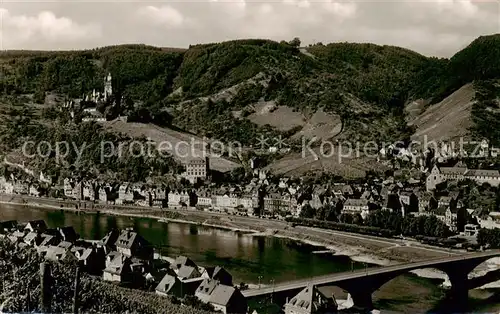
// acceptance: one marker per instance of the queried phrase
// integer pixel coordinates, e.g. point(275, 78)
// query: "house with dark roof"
point(36, 225)
point(16, 236)
point(409, 201)
point(123, 269)
point(109, 240)
point(205, 290)
point(32, 239)
point(125, 194)
point(356, 206)
point(49, 240)
point(129, 243)
point(65, 245)
point(182, 261)
point(220, 274)
point(311, 301)
point(188, 272)
point(170, 285)
point(481, 176)
point(68, 234)
point(228, 299)
point(7, 226)
point(173, 285)
point(55, 253)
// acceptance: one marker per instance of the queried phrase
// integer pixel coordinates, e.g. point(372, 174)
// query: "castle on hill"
point(98, 96)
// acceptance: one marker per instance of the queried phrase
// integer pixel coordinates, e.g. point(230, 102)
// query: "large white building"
point(460, 172)
point(197, 169)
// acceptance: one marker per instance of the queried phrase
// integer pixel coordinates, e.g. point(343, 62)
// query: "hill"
point(449, 119)
point(244, 89)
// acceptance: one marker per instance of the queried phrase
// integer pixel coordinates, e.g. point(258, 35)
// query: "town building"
point(21, 188)
point(197, 169)
point(36, 226)
point(219, 274)
point(471, 230)
point(226, 299)
point(311, 301)
point(356, 206)
point(204, 198)
point(178, 198)
point(131, 244)
point(118, 268)
point(125, 194)
point(88, 191)
point(460, 172)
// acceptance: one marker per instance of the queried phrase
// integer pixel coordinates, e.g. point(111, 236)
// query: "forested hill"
point(210, 85)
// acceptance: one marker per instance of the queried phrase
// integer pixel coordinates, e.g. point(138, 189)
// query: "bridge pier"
point(361, 290)
point(362, 300)
point(361, 284)
point(458, 273)
point(459, 291)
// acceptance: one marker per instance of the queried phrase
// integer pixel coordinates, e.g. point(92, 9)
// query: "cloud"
point(165, 15)
point(431, 27)
point(20, 30)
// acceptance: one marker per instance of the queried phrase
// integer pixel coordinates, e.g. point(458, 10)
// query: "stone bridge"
point(361, 284)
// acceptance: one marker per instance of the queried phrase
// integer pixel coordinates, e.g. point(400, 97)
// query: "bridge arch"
point(486, 272)
point(416, 289)
point(456, 269)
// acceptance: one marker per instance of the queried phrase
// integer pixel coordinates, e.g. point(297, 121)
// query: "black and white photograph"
point(249, 156)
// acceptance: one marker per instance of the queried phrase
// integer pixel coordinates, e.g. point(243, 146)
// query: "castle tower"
point(108, 89)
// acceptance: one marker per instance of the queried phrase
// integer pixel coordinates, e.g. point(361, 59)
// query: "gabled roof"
point(453, 170)
point(55, 253)
point(128, 238)
point(188, 272)
point(48, 239)
point(10, 224)
point(79, 251)
point(222, 294)
point(205, 289)
point(30, 237)
point(110, 238)
point(482, 173)
point(454, 195)
point(118, 264)
point(366, 195)
point(38, 225)
point(309, 299)
point(217, 272)
point(356, 202)
point(68, 233)
point(183, 260)
point(424, 196)
point(65, 244)
point(166, 283)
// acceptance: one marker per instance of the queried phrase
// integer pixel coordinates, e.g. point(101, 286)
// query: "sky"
point(431, 27)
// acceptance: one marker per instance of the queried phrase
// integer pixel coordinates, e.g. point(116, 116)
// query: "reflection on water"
point(245, 257)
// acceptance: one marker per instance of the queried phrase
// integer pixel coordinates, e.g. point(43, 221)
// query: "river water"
point(246, 257)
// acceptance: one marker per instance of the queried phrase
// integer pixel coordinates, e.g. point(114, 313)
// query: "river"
point(248, 257)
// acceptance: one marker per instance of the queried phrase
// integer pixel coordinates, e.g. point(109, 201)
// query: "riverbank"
point(248, 258)
point(361, 248)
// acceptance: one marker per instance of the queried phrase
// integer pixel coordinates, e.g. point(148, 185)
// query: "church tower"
point(108, 89)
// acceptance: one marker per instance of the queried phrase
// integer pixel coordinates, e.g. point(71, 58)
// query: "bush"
point(341, 227)
point(489, 237)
